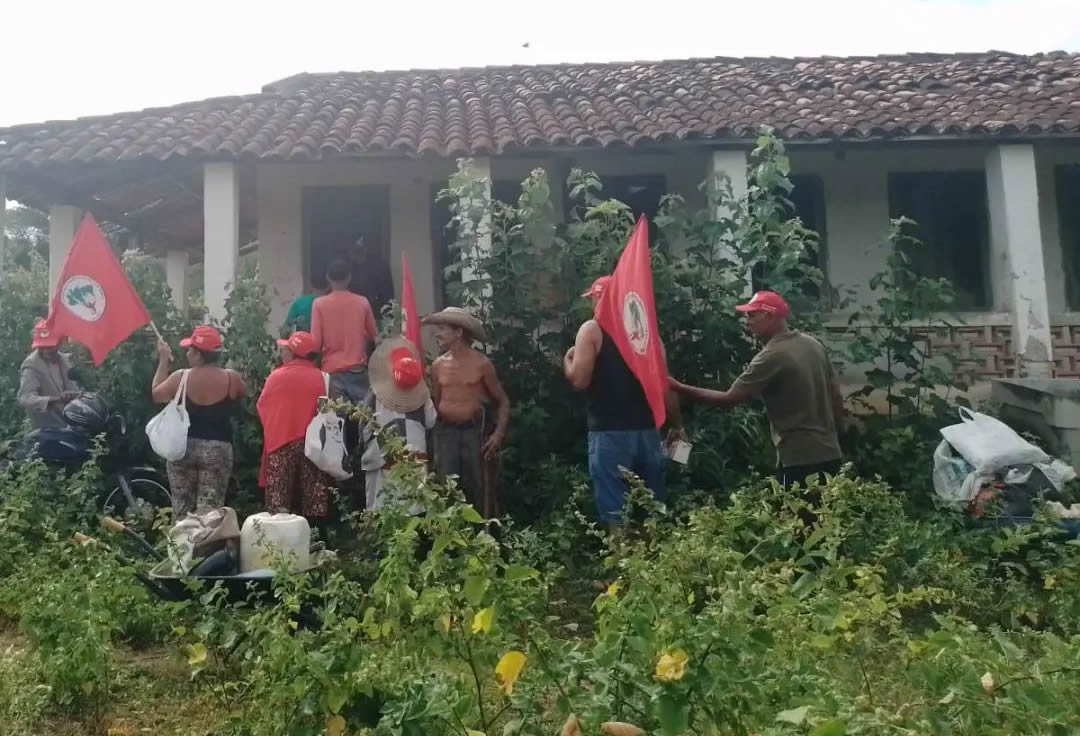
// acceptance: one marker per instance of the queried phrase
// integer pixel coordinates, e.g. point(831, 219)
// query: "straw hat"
point(457, 317)
point(397, 375)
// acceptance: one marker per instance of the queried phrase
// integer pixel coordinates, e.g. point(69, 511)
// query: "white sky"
point(108, 56)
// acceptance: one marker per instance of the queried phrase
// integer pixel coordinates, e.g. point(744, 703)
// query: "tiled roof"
point(495, 110)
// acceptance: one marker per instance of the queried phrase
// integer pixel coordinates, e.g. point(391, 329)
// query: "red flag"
point(95, 303)
point(627, 312)
point(410, 321)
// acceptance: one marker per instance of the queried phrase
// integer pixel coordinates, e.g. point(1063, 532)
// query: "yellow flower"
point(483, 620)
point(508, 670)
point(671, 666)
point(613, 589)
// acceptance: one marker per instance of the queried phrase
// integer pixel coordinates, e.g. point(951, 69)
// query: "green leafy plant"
point(914, 388)
point(522, 271)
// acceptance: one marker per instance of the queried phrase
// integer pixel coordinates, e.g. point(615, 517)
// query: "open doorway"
point(336, 219)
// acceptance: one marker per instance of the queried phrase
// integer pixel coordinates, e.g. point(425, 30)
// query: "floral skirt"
point(295, 485)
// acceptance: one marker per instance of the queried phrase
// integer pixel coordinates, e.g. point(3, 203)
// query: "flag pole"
point(156, 331)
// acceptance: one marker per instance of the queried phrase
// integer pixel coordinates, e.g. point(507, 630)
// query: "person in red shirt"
point(344, 329)
point(286, 406)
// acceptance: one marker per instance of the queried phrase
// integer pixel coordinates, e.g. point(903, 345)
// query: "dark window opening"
point(1067, 190)
point(442, 234)
point(334, 218)
point(808, 203)
point(640, 192)
point(952, 221)
point(507, 191)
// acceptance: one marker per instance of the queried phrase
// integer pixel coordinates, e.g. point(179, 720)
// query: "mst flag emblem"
point(637, 329)
point(84, 297)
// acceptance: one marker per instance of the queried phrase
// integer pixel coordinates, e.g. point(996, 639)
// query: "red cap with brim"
point(597, 287)
point(205, 338)
point(43, 337)
point(766, 301)
point(301, 344)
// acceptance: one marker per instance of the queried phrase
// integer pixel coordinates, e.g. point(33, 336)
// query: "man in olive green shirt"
point(794, 377)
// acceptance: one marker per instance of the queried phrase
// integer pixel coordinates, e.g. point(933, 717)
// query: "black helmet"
point(87, 413)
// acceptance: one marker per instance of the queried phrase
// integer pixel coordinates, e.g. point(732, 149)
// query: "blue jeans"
point(638, 450)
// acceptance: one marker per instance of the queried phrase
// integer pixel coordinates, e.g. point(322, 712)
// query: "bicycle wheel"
point(150, 496)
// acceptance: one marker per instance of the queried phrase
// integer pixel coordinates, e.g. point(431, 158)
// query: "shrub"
point(526, 287)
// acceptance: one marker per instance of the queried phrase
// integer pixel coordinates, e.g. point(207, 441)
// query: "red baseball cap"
point(766, 301)
point(43, 336)
point(205, 338)
point(597, 287)
point(300, 343)
point(406, 369)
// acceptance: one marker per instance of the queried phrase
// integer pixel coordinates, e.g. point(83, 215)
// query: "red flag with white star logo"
point(627, 313)
point(94, 302)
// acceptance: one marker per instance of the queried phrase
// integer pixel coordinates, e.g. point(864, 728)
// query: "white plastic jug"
point(265, 533)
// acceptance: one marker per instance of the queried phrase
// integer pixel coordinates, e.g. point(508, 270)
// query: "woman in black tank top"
point(200, 480)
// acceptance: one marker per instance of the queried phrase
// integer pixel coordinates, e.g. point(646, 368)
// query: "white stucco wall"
point(683, 169)
point(857, 200)
point(855, 188)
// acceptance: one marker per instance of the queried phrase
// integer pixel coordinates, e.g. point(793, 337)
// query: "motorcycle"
point(135, 493)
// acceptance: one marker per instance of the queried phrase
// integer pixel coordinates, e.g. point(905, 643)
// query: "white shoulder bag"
point(168, 431)
point(324, 443)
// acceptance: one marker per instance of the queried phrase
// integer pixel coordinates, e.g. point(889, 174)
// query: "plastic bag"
point(324, 442)
point(1058, 472)
point(953, 476)
point(989, 444)
point(200, 534)
point(168, 430)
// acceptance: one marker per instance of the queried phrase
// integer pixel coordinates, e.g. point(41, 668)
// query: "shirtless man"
point(462, 379)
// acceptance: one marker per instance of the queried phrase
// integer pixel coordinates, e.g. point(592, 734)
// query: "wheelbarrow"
point(164, 581)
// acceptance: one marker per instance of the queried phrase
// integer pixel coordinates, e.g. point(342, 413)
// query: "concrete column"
point(281, 250)
point(176, 267)
point(482, 171)
point(731, 165)
point(1050, 224)
point(410, 233)
point(1019, 275)
point(221, 233)
point(63, 222)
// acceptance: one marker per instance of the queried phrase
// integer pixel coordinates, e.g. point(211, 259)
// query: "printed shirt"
point(412, 426)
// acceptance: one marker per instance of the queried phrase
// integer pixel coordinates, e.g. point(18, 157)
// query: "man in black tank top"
point(622, 431)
